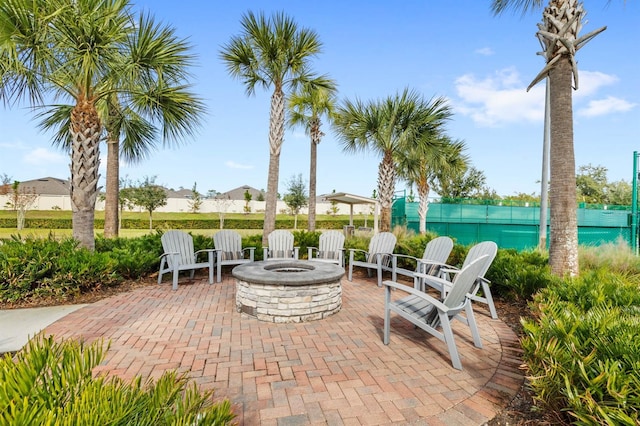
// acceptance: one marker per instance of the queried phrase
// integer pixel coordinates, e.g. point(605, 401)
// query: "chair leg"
point(387, 315)
point(350, 278)
point(175, 279)
point(161, 270)
point(471, 321)
point(219, 271)
point(449, 340)
point(487, 295)
point(211, 266)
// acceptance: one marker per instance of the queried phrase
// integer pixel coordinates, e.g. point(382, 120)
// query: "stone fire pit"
point(286, 291)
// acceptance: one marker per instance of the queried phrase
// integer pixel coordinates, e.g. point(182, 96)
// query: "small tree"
point(296, 198)
point(333, 210)
point(196, 200)
point(247, 200)
point(5, 184)
point(222, 205)
point(149, 196)
point(463, 183)
point(260, 195)
point(22, 199)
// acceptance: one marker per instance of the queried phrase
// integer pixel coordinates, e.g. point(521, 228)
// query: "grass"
point(125, 233)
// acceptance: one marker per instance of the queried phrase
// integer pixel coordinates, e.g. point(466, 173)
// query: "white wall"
point(63, 202)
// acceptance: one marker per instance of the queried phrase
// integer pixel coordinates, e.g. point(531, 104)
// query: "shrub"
point(519, 274)
point(583, 351)
point(617, 257)
point(134, 257)
point(52, 383)
point(305, 239)
point(45, 268)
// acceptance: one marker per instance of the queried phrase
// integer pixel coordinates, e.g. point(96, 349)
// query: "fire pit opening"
point(288, 290)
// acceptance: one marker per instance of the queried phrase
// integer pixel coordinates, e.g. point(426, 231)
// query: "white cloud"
point(590, 81)
point(42, 156)
point(605, 106)
point(499, 99)
point(13, 145)
point(234, 165)
point(485, 51)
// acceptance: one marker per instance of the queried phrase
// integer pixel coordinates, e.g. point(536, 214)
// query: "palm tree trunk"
point(276, 136)
point(85, 159)
point(423, 206)
point(386, 180)
point(312, 184)
point(563, 244)
point(111, 204)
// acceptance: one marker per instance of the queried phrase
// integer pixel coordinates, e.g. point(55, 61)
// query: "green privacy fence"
point(515, 225)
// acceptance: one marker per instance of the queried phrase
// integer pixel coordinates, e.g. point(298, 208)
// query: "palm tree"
point(561, 24)
point(306, 107)
point(390, 127)
point(138, 111)
point(430, 160)
point(271, 52)
point(90, 51)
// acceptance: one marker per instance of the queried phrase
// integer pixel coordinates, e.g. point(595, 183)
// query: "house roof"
point(238, 193)
point(48, 186)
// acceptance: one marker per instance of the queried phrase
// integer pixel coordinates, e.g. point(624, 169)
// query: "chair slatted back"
point(438, 249)
point(485, 248)
point(229, 243)
point(330, 245)
point(383, 243)
point(175, 241)
point(280, 243)
point(464, 280)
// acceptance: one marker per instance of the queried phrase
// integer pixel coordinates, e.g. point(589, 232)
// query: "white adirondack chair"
point(430, 314)
point(330, 248)
point(485, 248)
point(378, 256)
point(179, 255)
point(229, 250)
point(435, 255)
point(280, 246)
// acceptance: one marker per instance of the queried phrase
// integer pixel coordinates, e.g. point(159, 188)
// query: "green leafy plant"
point(52, 383)
point(583, 350)
point(45, 268)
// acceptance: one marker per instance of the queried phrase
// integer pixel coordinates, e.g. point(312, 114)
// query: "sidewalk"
point(18, 325)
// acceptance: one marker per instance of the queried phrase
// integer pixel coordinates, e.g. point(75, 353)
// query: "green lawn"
point(127, 233)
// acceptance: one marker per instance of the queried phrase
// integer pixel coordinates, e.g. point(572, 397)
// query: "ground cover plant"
point(52, 383)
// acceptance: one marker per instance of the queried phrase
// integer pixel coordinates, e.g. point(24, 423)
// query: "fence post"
point(634, 205)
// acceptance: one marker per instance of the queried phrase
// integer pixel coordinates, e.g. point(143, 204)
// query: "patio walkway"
point(334, 371)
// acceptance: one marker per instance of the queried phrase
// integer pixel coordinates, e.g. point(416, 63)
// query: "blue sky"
point(482, 64)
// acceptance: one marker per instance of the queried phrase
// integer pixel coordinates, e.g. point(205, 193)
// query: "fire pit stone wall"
point(288, 291)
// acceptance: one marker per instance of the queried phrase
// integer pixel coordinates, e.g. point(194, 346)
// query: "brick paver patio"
point(334, 371)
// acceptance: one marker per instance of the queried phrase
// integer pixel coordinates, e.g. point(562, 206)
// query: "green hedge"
point(38, 223)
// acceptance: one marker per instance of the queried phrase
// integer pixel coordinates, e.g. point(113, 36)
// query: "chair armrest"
point(435, 302)
point(358, 250)
point(352, 254)
point(395, 257)
point(310, 252)
point(213, 251)
point(251, 251)
point(434, 282)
